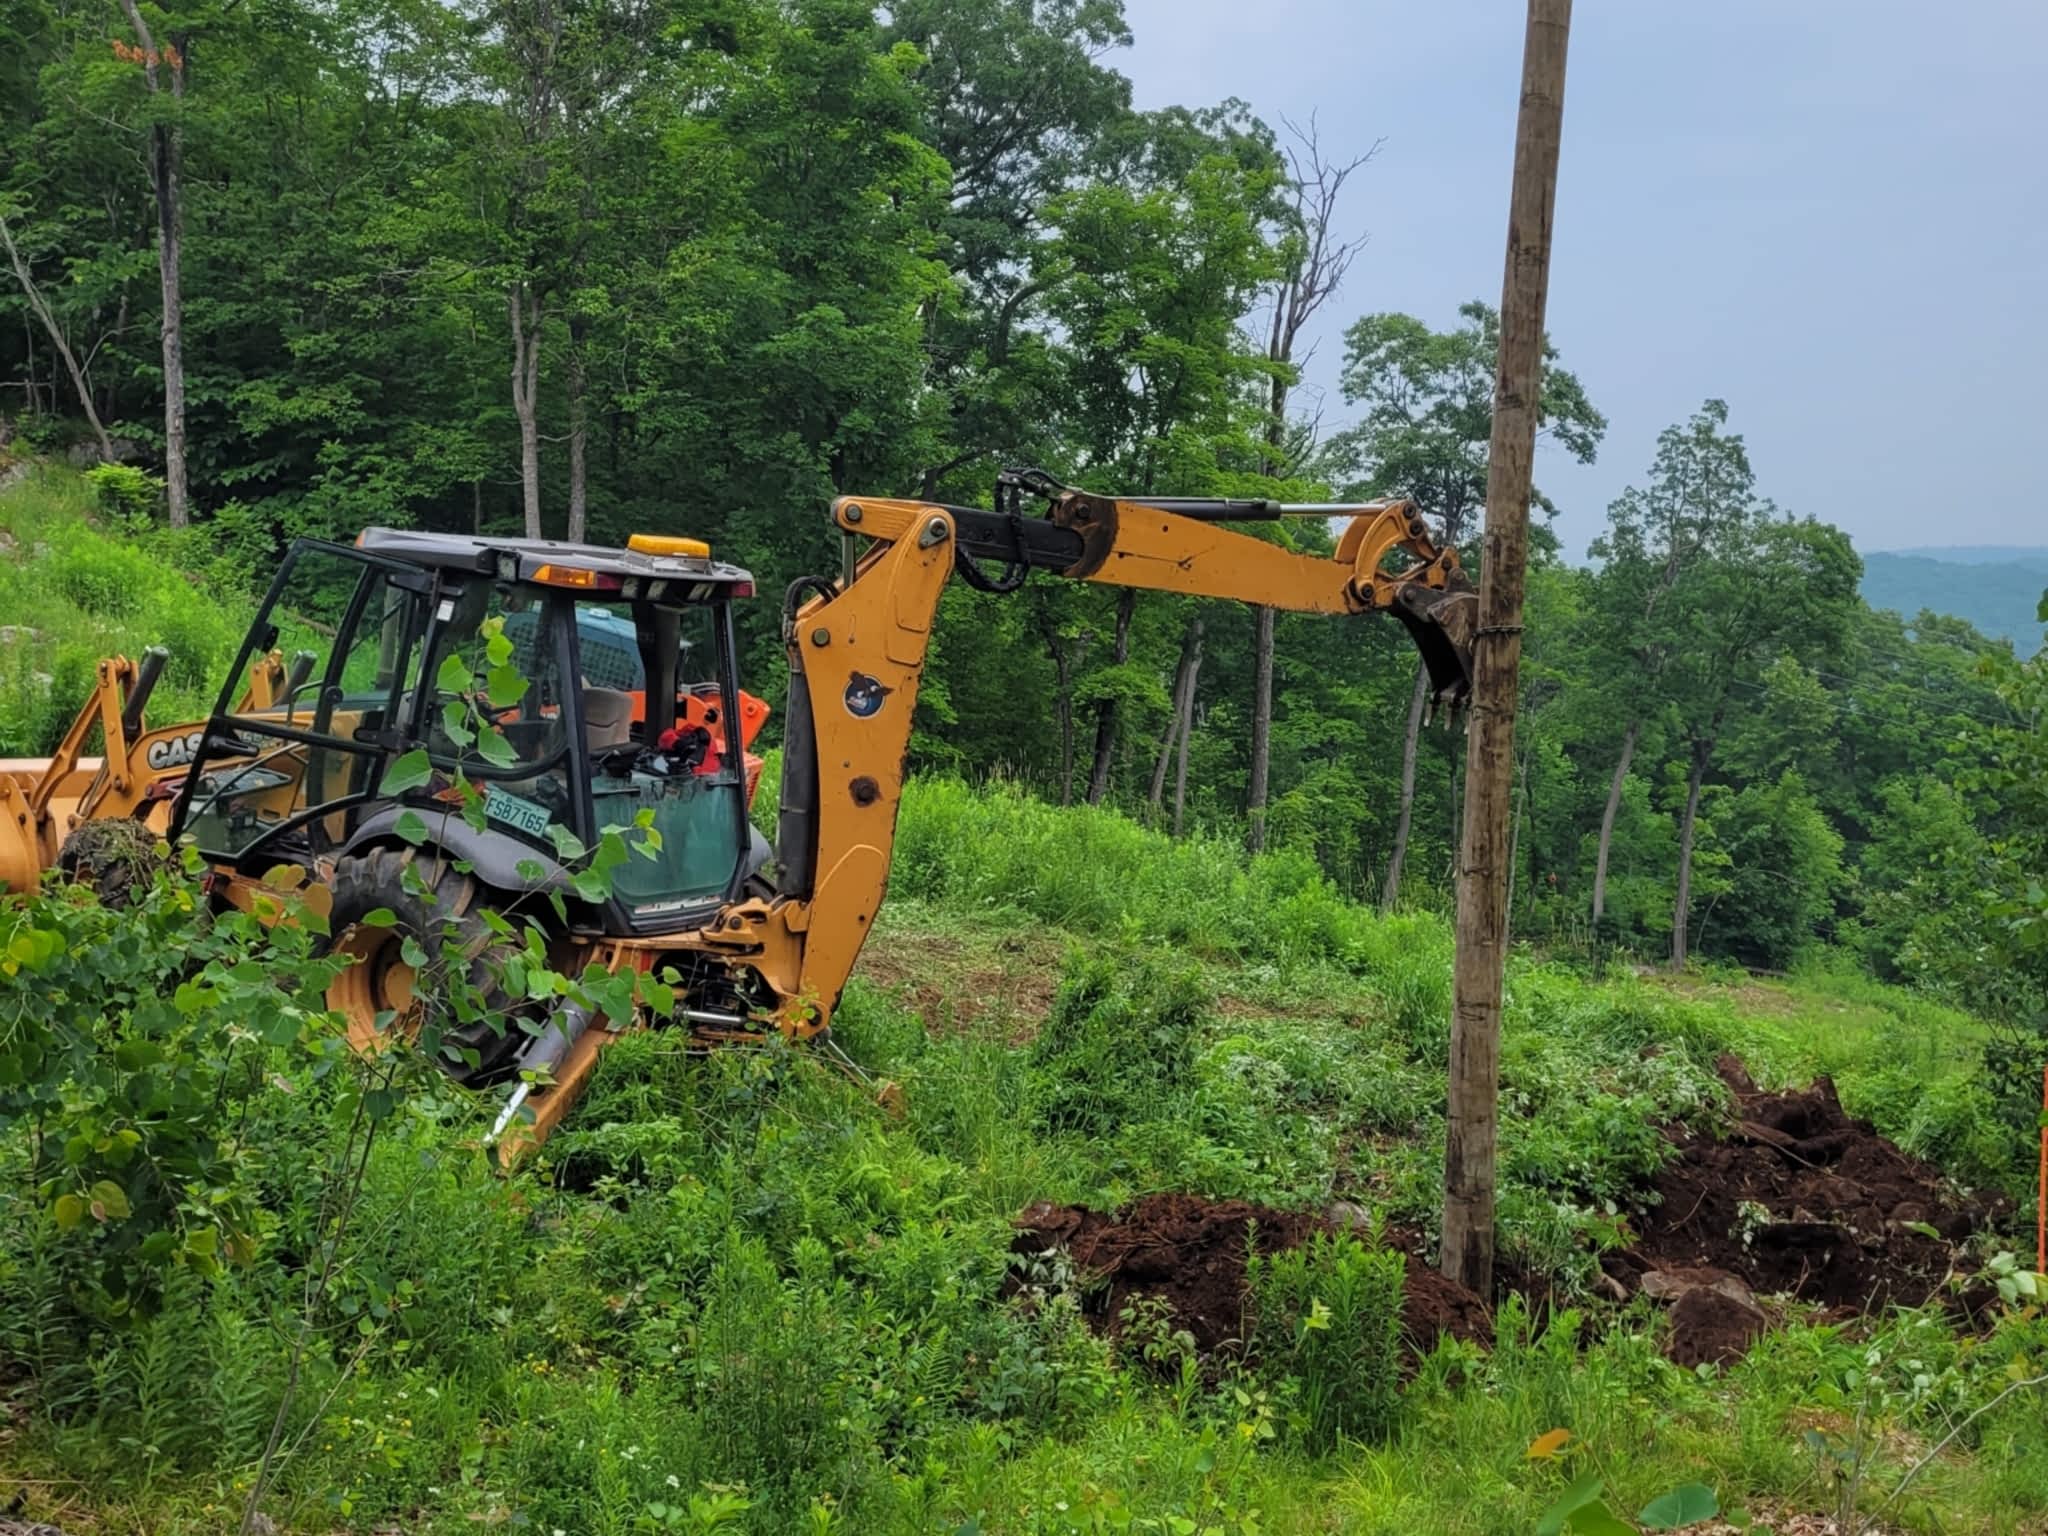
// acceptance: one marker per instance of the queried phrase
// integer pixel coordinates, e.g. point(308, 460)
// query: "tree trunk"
point(1106, 712)
point(108, 399)
point(523, 306)
point(1682, 907)
point(1628, 752)
point(171, 234)
point(1063, 702)
point(165, 166)
point(578, 433)
point(1472, 1120)
point(63, 348)
point(1521, 812)
point(1187, 731)
point(1390, 890)
point(1190, 643)
point(1262, 728)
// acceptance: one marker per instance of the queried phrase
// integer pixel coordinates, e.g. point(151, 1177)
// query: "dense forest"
point(580, 267)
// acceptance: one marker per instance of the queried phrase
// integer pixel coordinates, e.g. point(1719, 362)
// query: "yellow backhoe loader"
point(630, 711)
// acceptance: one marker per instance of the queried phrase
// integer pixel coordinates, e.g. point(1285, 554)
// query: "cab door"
point(284, 781)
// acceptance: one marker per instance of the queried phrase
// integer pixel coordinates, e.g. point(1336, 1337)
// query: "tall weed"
point(1328, 1324)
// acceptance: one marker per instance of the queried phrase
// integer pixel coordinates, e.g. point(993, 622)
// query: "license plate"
point(528, 816)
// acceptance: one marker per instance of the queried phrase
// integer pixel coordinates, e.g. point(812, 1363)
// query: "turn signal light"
point(574, 576)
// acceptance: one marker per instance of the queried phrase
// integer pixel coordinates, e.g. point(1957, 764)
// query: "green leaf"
point(456, 674)
point(69, 1211)
point(110, 1198)
point(1687, 1504)
point(203, 1242)
point(406, 772)
point(134, 1055)
point(532, 871)
point(410, 828)
point(379, 917)
point(592, 884)
point(379, 1102)
point(455, 723)
point(495, 749)
point(1596, 1519)
point(505, 686)
point(567, 843)
point(498, 648)
point(1581, 1493)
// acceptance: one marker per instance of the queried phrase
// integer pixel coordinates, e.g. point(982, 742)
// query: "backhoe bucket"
point(1441, 622)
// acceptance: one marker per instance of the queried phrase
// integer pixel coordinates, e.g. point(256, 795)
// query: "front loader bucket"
point(1441, 622)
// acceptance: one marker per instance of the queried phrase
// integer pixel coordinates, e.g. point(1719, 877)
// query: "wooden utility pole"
point(1473, 1129)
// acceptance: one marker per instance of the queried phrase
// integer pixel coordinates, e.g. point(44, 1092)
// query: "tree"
point(1162, 263)
point(1774, 587)
point(1017, 103)
point(1427, 399)
point(1700, 498)
point(55, 331)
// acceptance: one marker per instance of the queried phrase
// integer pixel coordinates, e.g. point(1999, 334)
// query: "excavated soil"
point(1797, 1199)
point(1190, 1253)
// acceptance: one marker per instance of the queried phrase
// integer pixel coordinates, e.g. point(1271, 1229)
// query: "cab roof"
point(548, 561)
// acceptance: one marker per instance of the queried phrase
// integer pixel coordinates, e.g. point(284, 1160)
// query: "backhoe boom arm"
point(857, 653)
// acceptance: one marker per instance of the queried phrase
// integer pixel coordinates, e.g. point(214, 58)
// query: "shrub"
point(1328, 1321)
point(126, 1054)
point(125, 492)
point(1120, 1044)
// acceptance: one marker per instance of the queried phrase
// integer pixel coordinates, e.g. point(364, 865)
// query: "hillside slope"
point(79, 581)
point(737, 1294)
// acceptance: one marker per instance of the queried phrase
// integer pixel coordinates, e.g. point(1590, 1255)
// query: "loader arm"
point(857, 652)
point(44, 800)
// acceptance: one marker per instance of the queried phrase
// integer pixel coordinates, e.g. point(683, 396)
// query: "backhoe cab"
point(608, 680)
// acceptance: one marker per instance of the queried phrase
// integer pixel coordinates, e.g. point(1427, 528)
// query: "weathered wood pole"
point(1473, 1130)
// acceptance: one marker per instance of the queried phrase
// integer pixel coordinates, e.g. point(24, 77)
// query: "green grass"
point(78, 582)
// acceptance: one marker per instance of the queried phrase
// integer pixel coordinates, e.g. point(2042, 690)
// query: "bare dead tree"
point(55, 331)
point(1320, 258)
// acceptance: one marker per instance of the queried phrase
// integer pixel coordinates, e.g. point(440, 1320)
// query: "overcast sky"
point(1829, 213)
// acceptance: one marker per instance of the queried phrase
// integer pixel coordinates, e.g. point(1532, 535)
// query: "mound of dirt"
point(1190, 1253)
point(1800, 1200)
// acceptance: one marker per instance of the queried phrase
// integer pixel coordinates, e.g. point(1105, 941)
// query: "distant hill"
point(1997, 587)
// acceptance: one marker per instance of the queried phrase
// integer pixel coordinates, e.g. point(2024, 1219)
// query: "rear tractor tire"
point(381, 983)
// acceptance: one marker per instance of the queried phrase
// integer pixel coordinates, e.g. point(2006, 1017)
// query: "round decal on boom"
point(864, 696)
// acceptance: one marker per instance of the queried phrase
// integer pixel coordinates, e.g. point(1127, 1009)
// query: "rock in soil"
point(1190, 1253)
point(1801, 1200)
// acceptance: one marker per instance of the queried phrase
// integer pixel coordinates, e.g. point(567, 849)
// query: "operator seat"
point(607, 718)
